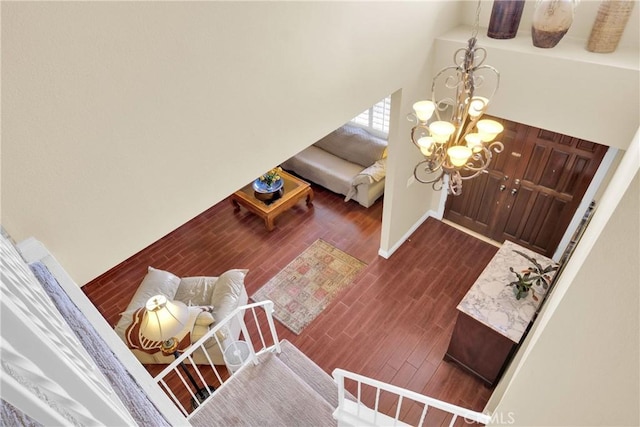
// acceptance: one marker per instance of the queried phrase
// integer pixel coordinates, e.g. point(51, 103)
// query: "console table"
point(491, 321)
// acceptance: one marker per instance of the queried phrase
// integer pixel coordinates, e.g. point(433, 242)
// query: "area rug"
point(309, 283)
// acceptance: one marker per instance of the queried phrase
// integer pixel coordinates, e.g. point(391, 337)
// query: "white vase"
point(551, 21)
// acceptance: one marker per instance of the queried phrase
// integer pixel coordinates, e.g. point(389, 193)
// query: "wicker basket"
point(609, 25)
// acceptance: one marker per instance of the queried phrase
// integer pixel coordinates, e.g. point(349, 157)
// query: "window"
point(376, 118)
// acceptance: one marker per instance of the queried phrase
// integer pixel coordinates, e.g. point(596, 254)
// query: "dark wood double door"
point(531, 190)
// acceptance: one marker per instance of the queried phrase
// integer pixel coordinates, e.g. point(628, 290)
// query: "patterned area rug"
point(307, 284)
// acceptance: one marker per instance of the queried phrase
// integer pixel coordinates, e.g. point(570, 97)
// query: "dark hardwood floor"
point(392, 324)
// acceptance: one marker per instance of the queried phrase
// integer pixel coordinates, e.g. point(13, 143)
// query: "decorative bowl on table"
point(268, 192)
point(260, 186)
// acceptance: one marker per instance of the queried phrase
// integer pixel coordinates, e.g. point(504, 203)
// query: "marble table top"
point(493, 303)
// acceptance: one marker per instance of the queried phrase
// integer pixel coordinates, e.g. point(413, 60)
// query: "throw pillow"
point(203, 324)
point(354, 144)
point(195, 290)
point(155, 282)
point(224, 297)
point(205, 317)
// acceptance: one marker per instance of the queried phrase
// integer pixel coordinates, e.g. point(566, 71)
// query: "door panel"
point(532, 190)
point(519, 210)
point(482, 196)
point(552, 171)
point(474, 210)
point(578, 169)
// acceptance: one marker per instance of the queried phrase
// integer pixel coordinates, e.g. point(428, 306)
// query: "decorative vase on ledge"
point(551, 21)
point(609, 25)
point(505, 19)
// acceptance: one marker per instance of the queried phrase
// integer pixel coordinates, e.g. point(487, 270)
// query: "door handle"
point(503, 187)
point(514, 191)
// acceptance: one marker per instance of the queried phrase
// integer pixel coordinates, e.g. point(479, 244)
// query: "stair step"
point(265, 394)
point(309, 372)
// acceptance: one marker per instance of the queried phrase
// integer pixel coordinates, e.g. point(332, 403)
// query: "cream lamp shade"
point(477, 105)
point(474, 141)
point(459, 154)
point(425, 144)
point(441, 131)
point(489, 129)
point(424, 110)
point(163, 318)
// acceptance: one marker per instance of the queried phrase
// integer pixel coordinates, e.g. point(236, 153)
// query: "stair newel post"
point(339, 378)
point(268, 308)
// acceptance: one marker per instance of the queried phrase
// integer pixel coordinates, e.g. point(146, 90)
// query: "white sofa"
point(220, 295)
point(349, 161)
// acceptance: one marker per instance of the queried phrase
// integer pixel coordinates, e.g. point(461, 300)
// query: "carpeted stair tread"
point(265, 395)
point(309, 372)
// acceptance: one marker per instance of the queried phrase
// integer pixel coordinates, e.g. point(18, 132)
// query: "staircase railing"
point(357, 413)
point(190, 385)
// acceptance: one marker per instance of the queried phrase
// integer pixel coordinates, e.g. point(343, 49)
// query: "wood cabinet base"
point(479, 349)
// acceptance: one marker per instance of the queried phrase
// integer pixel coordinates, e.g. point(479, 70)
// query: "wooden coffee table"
point(295, 189)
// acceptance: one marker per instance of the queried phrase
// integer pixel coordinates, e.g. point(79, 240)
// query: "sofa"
point(349, 161)
point(209, 299)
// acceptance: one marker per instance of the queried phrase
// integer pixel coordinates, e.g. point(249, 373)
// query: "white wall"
point(579, 365)
point(122, 121)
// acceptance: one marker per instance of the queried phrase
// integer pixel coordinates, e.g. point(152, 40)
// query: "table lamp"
point(163, 320)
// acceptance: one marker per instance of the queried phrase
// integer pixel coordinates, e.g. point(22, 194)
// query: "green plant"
point(536, 275)
point(272, 176)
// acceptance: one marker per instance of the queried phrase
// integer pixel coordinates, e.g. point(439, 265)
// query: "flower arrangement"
point(536, 275)
point(272, 176)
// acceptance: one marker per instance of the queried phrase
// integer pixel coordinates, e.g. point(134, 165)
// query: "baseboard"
point(472, 233)
point(386, 254)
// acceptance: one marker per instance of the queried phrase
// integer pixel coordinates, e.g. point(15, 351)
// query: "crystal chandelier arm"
point(495, 72)
point(478, 172)
point(495, 146)
point(477, 82)
point(415, 129)
point(455, 183)
point(429, 168)
point(450, 82)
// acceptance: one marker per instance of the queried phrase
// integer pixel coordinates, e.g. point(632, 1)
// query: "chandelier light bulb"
point(474, 141)
point(459, 154)
point(489, 129)
point(477, 105)
point(426, 143)
point(424, 110)
point(441, 131)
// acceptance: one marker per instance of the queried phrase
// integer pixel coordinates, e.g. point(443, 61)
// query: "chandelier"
point(457, 143)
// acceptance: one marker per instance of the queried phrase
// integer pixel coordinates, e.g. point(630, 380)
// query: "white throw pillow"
point(195, 290)
point(155, 282)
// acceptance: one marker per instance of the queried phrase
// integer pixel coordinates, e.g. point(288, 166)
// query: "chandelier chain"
point(476, 22)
